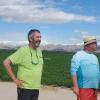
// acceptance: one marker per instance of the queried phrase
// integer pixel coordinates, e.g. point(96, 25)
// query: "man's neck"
point(87, 50)
point(31, 46)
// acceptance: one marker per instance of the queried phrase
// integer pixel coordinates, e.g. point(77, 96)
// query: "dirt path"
point(8, 92)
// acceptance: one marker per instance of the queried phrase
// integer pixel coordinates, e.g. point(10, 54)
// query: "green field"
point(55, 71)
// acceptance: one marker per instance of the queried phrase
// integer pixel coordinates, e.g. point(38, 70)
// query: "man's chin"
point(37, 46)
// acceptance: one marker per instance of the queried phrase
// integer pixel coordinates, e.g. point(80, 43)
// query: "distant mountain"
point(10, 45)
point(49, 47)
point(98, 49)
point(7, 45)
point(59, 47)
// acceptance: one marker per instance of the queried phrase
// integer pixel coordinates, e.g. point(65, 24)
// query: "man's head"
point(34, 37)
point(90, 43)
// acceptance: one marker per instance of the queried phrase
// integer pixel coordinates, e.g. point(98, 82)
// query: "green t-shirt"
point(28, 72)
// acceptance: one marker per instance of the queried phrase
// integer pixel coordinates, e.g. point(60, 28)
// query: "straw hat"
point(89, 40)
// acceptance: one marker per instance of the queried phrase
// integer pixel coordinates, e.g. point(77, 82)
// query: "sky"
point(60, 21)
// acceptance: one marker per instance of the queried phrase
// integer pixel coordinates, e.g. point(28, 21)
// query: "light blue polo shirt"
point(86, 67)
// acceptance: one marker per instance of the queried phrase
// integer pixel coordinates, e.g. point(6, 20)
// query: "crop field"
point(56, 70)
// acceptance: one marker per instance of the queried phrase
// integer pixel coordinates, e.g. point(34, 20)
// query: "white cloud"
point(13, 2)
point(76, 30)
point(32, 12)
point(78, 7)
point(13, 36)
point(75, 41)
point(84, 34)
point(98, 38)
point(18, 38)
point(52, 3)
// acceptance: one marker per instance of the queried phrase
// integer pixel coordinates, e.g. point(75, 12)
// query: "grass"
point(55, 71)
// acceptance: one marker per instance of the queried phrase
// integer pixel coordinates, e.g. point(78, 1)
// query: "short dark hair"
point(31, 33)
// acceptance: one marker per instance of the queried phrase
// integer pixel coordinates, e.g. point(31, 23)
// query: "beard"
point(37, 44)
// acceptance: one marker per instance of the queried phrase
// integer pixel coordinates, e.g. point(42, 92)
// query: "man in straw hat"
point(85, 71)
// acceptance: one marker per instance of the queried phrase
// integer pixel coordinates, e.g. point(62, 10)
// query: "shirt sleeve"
point(16, 58)
point(74, 65)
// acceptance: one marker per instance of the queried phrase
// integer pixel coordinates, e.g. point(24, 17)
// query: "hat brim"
point(89, 42)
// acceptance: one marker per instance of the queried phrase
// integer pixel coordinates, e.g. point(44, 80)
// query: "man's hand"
point(98, 90)
point(19, 83)
point(75, 85)
point(76, 90)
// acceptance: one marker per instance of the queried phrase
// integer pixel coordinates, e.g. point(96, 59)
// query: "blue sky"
point(60, 21)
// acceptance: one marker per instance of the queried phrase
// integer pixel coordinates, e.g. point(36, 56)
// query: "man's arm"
point(7, 65)
point(75, 85)
point(75, 63)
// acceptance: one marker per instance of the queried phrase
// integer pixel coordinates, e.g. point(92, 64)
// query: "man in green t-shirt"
point(30, 62)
